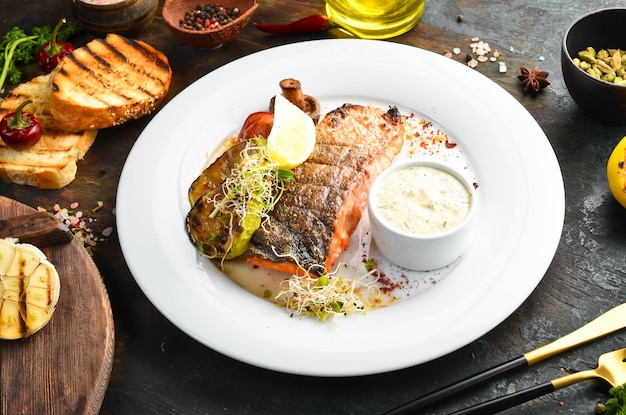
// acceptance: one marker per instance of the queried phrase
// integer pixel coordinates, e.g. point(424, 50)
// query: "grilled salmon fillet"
point(108, 82)
point(322, 206)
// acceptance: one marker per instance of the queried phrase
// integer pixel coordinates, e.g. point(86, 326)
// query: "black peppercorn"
point(207, 17)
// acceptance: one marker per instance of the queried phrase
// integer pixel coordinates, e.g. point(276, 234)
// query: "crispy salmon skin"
point(323, 205)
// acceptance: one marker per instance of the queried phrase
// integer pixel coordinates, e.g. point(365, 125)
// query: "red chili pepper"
point(311, 24)
point(50, 54)
point(20, 130)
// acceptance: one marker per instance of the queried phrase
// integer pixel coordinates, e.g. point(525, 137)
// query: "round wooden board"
point(65, 367)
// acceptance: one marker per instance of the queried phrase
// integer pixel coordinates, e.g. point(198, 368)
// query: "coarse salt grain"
point(78, 224)
point(480, 52)
point(480, 48)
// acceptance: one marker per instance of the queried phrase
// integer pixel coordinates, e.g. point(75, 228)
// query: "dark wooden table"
point(158, 369)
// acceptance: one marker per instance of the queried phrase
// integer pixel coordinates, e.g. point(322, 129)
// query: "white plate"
point(521, 191)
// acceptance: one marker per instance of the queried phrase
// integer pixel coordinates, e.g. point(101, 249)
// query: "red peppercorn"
point(208, 17)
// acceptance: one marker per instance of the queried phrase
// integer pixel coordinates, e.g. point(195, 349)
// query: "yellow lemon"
point(616, 172)
point(292, 137)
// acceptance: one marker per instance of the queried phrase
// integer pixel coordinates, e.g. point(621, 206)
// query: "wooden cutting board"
point(65, 367)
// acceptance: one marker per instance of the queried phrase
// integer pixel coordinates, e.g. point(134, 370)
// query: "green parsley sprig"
point(19, 47)
point(617, 404)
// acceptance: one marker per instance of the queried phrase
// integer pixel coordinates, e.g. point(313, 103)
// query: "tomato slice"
point(258, 124)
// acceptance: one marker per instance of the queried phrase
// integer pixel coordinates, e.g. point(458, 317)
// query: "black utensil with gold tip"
point(611, 368)
point(607, 323)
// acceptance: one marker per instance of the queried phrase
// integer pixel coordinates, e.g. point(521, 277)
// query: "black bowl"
point(602, 101)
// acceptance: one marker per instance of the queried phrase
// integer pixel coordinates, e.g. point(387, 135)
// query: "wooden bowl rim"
point(243, 18)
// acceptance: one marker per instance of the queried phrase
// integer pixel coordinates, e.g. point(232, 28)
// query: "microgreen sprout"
point(328, 295)
point(324, 296)
point(242, 204)
point(371, 264)
point(255, 184)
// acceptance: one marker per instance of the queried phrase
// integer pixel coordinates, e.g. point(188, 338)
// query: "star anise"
point(533, 80)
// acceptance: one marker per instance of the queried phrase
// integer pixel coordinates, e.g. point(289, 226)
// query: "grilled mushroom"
point(292, 90)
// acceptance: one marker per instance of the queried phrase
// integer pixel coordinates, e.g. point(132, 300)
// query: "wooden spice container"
point(124, 17)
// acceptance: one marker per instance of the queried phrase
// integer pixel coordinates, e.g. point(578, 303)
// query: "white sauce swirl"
point(422, 200)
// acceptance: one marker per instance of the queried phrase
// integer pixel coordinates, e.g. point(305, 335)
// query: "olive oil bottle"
point(375, 19)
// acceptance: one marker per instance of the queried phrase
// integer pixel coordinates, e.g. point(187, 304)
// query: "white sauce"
point(422, 200)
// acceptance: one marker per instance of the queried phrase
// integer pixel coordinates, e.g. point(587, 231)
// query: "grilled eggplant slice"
point(213, 176)
point(223, 235)
point(220, 233)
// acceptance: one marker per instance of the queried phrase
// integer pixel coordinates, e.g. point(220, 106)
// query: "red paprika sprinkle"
point(310, 24)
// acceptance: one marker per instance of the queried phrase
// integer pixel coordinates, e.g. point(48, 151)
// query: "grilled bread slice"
point(108, 82)
point(37, 90)
point(49, 164)
point(29, 289)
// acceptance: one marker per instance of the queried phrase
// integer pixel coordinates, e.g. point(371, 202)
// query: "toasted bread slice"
point(108, 82)
point(49, 164)
point(37, 90)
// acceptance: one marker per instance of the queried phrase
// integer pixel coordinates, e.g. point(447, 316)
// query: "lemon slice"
point(292, 138)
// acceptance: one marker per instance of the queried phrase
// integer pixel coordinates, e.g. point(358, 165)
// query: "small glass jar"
point(372, 19)
point(124, 17)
